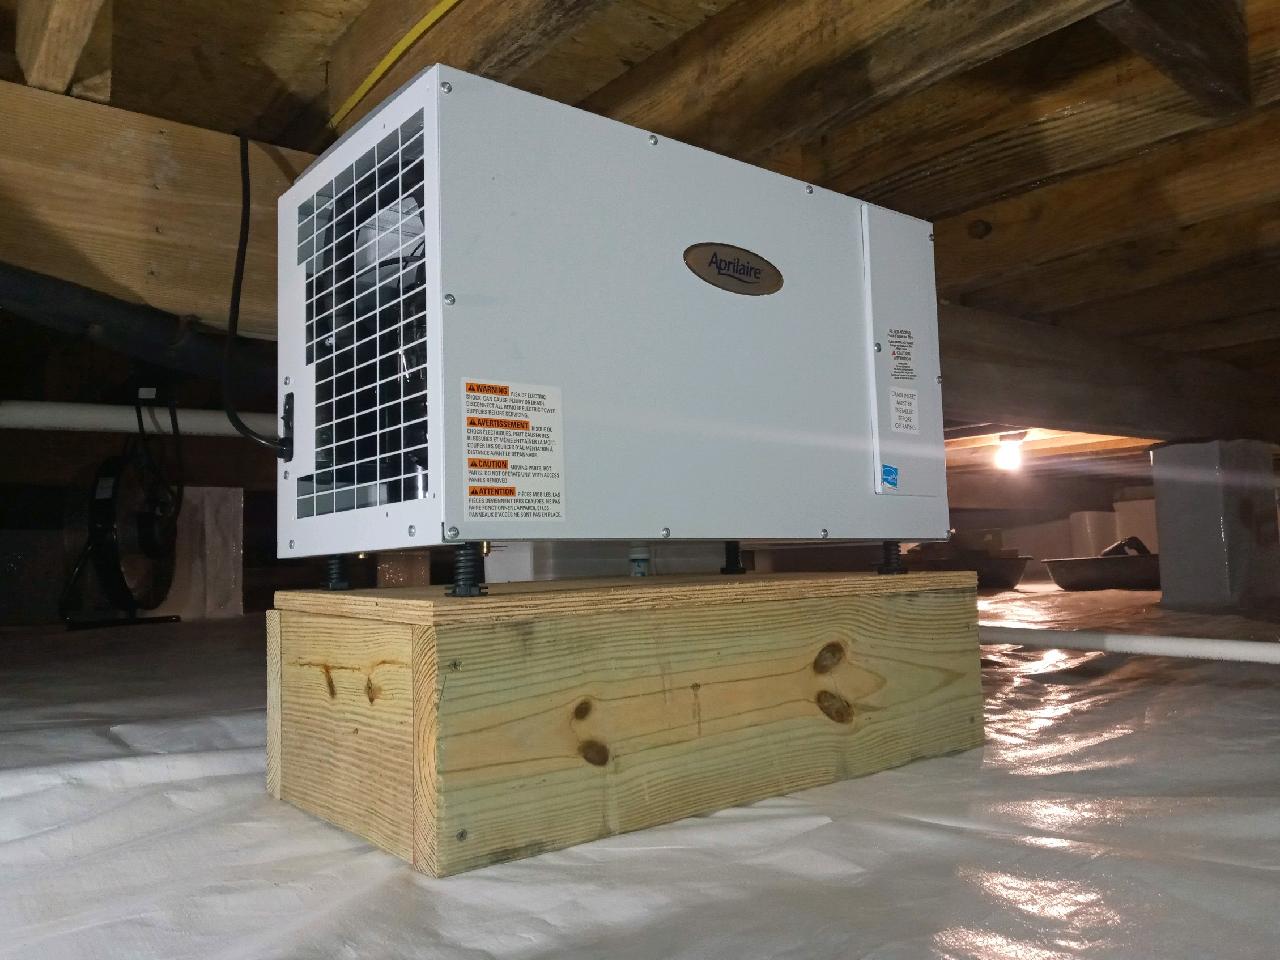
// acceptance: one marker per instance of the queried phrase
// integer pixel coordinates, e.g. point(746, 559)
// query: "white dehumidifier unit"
point(503, 318)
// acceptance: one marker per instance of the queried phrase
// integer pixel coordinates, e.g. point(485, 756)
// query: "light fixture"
point(1009, 451)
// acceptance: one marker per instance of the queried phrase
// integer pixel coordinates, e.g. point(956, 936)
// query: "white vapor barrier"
point(1122, 808)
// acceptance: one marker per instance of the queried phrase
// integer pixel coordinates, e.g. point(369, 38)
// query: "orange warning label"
point(497, 423)
point(493, 389)
point(514, 451)
point(491, 491)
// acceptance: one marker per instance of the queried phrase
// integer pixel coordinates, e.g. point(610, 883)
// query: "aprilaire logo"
point(733, 268)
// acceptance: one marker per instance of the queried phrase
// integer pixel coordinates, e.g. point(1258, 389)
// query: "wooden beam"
point(1182, 182)
point(1201, 44)
point(1152, 260)
point(51, 35)
point(495, 38)
point(463, 734)
point(827, 61)
point(229, 65)
point(1244, 288)
point(147, 212)
point(1217, 335)
point(1009, 370)
point(92, 77)
point(610, 41)
point(1259, 355)
point(1070, 102)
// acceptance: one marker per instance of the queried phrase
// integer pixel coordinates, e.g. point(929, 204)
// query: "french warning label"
point(902, 407)
point(515, 451)
point(902, 348)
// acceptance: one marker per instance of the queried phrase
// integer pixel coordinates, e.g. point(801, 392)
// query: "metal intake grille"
point(361, 238)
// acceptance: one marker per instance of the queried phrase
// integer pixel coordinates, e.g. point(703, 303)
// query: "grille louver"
point(361, 239)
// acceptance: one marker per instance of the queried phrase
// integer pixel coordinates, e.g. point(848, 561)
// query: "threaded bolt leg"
point(468, 571)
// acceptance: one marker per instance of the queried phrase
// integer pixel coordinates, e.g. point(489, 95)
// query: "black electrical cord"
point(175, 493)
point(233, 316)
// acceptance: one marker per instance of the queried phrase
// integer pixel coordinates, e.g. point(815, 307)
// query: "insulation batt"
point(1122, 808)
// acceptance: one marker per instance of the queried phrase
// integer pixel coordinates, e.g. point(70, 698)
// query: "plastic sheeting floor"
point(1121, 808)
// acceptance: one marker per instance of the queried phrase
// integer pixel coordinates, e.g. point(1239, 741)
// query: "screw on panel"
point(286, 474)
point(939, 378)
point(877, 348)
point(288, 380)
point(446, 87)
point(653, 139)
point(451, 533)
point(461, 835)
point(290, 544)
point(808, 188)
point(666, 533)
point(823, 533)
point(450, 299)
point(413, 531)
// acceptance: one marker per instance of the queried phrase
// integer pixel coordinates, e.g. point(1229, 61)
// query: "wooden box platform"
point(457, 733)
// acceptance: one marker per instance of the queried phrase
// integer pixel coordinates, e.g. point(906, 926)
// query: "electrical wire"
point(233, 315)
point(432, 17)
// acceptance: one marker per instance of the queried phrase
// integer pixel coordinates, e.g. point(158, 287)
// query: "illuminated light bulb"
point(1009, 454)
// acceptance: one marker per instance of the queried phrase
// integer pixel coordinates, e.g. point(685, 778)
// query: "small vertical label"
point(902, 407)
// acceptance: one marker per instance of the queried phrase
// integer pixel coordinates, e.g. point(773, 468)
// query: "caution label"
point(902, 350)
point(515, 451)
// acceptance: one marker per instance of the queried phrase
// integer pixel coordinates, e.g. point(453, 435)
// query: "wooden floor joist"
point(1068, 103)
point(1153, 259)
point(495, 38)
point(51, 36)
point(1011, 370)
point(1213, 174)
point(1235, 290)
point(762, 74)
point(457, 733)
point(1201, 44)
point(142, 209)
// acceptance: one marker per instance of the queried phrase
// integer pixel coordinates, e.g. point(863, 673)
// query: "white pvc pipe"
point(1196, 648)
point(108, 418)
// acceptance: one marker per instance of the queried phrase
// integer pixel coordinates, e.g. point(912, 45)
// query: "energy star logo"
point(733, 268)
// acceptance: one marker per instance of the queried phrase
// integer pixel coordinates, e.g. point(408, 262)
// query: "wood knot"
point(594, 752)
point(980, 229)
point(582, 710)
point(836, 707)
point(828, 658)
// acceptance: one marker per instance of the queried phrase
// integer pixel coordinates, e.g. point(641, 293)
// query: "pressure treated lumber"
point(1004, 369)
point(1067, 103)
point(142, 209)
point(273, 703)
point(494, 38)
point(459, 733)
point(1201, 44)
point(51, 35)
point(762, 73)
